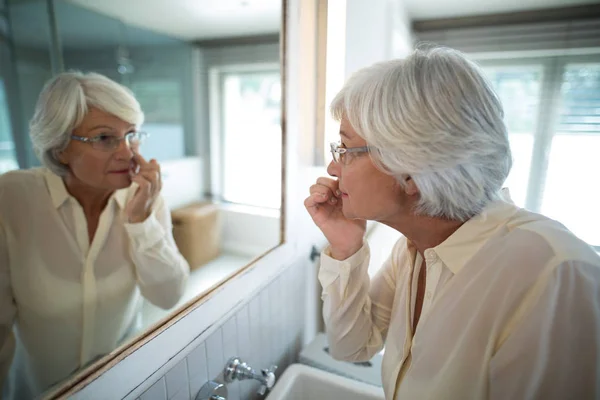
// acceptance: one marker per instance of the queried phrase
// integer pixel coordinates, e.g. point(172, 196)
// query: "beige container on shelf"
point(197, 232)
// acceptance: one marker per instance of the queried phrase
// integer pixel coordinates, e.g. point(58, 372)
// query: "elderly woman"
point(83, 236)
point(479, 299)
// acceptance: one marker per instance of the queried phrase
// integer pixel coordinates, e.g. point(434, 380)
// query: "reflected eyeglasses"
point(340, 153)
point(107, 142)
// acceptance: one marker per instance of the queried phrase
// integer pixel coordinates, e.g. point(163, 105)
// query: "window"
point(247, 127)
point(161, 101)
point(8, 160)
point(521, 85)
point(552, 112)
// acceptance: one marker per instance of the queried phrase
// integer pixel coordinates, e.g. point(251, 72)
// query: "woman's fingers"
point(156, 167)
point(331, 184)
point(323, 194)
point(325, 191)
point(150, 171)
point(315, 202)
point(139, 159)
point(153, 177)
point(144, 184)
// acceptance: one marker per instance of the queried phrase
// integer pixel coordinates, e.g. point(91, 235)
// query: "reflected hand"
point(149, 183)
point(324, 205)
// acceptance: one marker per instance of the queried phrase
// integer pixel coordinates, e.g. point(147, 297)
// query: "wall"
point(375, 31)
point(33, 70)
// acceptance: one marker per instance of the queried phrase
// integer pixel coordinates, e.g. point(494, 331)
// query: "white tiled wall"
point(265, 330)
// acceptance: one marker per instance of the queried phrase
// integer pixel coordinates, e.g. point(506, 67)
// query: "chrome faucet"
point(212, 390)
point(237, 369)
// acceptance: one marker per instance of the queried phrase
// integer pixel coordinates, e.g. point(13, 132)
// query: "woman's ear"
point(61, 156)
point(410, 187)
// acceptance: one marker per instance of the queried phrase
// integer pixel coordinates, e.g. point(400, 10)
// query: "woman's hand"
point(149, 183)
point(324, 205)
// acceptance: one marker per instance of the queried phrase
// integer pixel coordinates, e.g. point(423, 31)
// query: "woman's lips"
point(122, 171)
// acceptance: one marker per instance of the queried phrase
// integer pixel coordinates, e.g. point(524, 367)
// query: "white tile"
point(183, 394)
point(177, 378)
point(265, 306)
point(245, 390)
point(254, 317)
point(288, 275)
point(196, 382)
point(268, 328)
point(243, 334)
point(275, 300)
point(233, 391)
point(256, 354)
point(214, 345)
point(242, 319)
point(277, 290)
point(197, 362)
point(229, 329)
point(248, 389)
point(215, 355)
point(215, 369)
point(230, 349)
point(158, 391)
point(280, 342)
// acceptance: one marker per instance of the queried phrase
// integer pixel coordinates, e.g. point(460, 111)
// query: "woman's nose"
point(333, 169)
point(124, 150)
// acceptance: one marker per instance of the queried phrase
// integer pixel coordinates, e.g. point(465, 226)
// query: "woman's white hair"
point(434, 117)
point(64, 102)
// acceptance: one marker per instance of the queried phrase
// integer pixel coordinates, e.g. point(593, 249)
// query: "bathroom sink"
point(300, 382)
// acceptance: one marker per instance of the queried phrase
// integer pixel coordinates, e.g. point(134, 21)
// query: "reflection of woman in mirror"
point(479, 299)
point(82, 237)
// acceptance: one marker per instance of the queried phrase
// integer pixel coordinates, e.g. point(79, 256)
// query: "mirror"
point(209, 82)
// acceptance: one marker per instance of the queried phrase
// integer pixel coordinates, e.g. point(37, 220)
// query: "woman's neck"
point(424, 232)
point(92, 200)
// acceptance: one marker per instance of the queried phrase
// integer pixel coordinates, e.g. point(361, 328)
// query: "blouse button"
point(430, 256)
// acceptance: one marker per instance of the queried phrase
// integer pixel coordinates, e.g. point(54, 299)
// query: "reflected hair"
point(64, 102)
point(434, 117)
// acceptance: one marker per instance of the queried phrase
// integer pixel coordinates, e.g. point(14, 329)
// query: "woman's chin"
point(120, 181)
point(348, 213)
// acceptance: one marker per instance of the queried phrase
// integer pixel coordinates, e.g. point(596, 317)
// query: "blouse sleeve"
point(161, 269)
point(356, 309)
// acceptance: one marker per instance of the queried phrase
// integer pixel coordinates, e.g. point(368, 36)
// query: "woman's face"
point(367, 192)
point(99, 169)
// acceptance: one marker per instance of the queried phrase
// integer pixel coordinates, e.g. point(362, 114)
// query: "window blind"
point(580, 110)
point(581, 34)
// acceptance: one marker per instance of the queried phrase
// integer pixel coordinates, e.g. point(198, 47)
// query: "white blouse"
point(511, 311)
point(70, 301)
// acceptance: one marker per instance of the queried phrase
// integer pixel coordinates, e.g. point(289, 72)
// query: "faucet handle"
point(269, 375)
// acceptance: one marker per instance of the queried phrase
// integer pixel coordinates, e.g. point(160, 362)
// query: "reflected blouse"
point(71, 301)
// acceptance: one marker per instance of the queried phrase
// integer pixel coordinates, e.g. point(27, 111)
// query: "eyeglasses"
point(340, 153)
point(107, 142)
